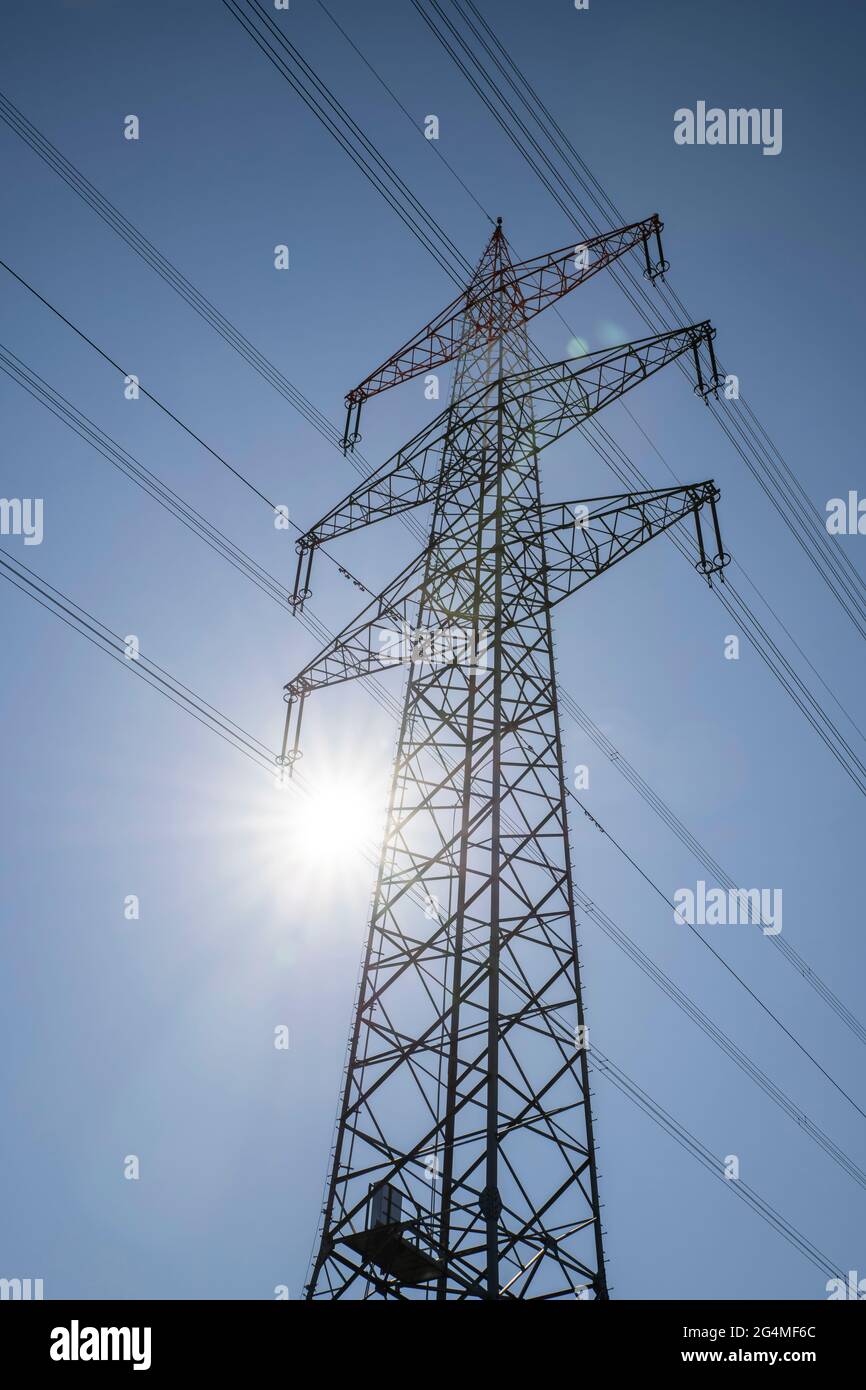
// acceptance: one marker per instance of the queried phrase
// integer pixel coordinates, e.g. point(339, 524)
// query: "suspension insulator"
point(656, 271)
point(302, 588)
point(719, 562)
point(703, 565)
point(351, 433)
point(717, 380)
point(702, 387)
point(287, 757)
point(722, 559)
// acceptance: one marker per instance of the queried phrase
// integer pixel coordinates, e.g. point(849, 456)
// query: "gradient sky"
point(155, 1037)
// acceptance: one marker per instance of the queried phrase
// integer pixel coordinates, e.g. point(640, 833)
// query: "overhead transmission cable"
point(206, 446)
point(98, 634)
point(76, 181)
point(783, 671)
point(195, 522)
point(797, 690)
point(830, 562)
point(192, 296)
point(595, 426)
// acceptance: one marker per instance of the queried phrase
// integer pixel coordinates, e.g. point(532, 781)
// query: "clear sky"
point(154, 1037)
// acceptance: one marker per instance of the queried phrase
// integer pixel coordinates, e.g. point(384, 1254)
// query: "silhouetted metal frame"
point(474, 443)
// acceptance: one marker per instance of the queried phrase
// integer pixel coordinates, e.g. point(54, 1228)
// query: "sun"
point(334, 821)
point(315, 838)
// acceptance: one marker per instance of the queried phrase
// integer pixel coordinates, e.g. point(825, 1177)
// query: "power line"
point(256, 751)
point(175, 505)
point(433, 144)
point(711, 1162)
point(273, 506)
point(720, 958)
point(125, 229)
point(196, 300)
point(317, 97)
point(112, 644)
point(171, 501)
point(98, 634)
point(660, 808)
point(776, 663)
point(603, 201)
point(768, 651)
point(195, 437)
point(154, 258)
point(692, 1011)
point(839, 570)
point(143, 389)
point(738, 565)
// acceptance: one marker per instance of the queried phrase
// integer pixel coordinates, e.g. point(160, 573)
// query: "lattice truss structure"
point(463, 1164)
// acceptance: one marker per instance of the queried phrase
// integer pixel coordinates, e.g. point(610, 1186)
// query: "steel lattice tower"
point(464, 1162)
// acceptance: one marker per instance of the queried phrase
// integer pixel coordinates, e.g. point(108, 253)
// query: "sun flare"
point(339, 819)
point(317, 835)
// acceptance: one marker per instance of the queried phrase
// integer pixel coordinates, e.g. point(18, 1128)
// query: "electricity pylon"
point(464, 1164)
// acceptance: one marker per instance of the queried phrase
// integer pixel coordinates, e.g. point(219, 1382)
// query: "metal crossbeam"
point(475, 316)
point(552, 400)
point(579, 546)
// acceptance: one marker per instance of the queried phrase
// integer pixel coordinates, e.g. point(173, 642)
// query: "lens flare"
point(337, 821)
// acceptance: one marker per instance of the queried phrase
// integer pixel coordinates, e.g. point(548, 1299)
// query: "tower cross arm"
point(544, 403)
point(356, 650)
point(555, 397)
point(583, 539)
point(382, 636)
point(407, 479)
point(471, 319)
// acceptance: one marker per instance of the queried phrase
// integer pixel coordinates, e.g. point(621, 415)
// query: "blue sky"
point(154, 1037)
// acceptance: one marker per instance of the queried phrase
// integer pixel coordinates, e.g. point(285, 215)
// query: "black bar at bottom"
point(217, 1338)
